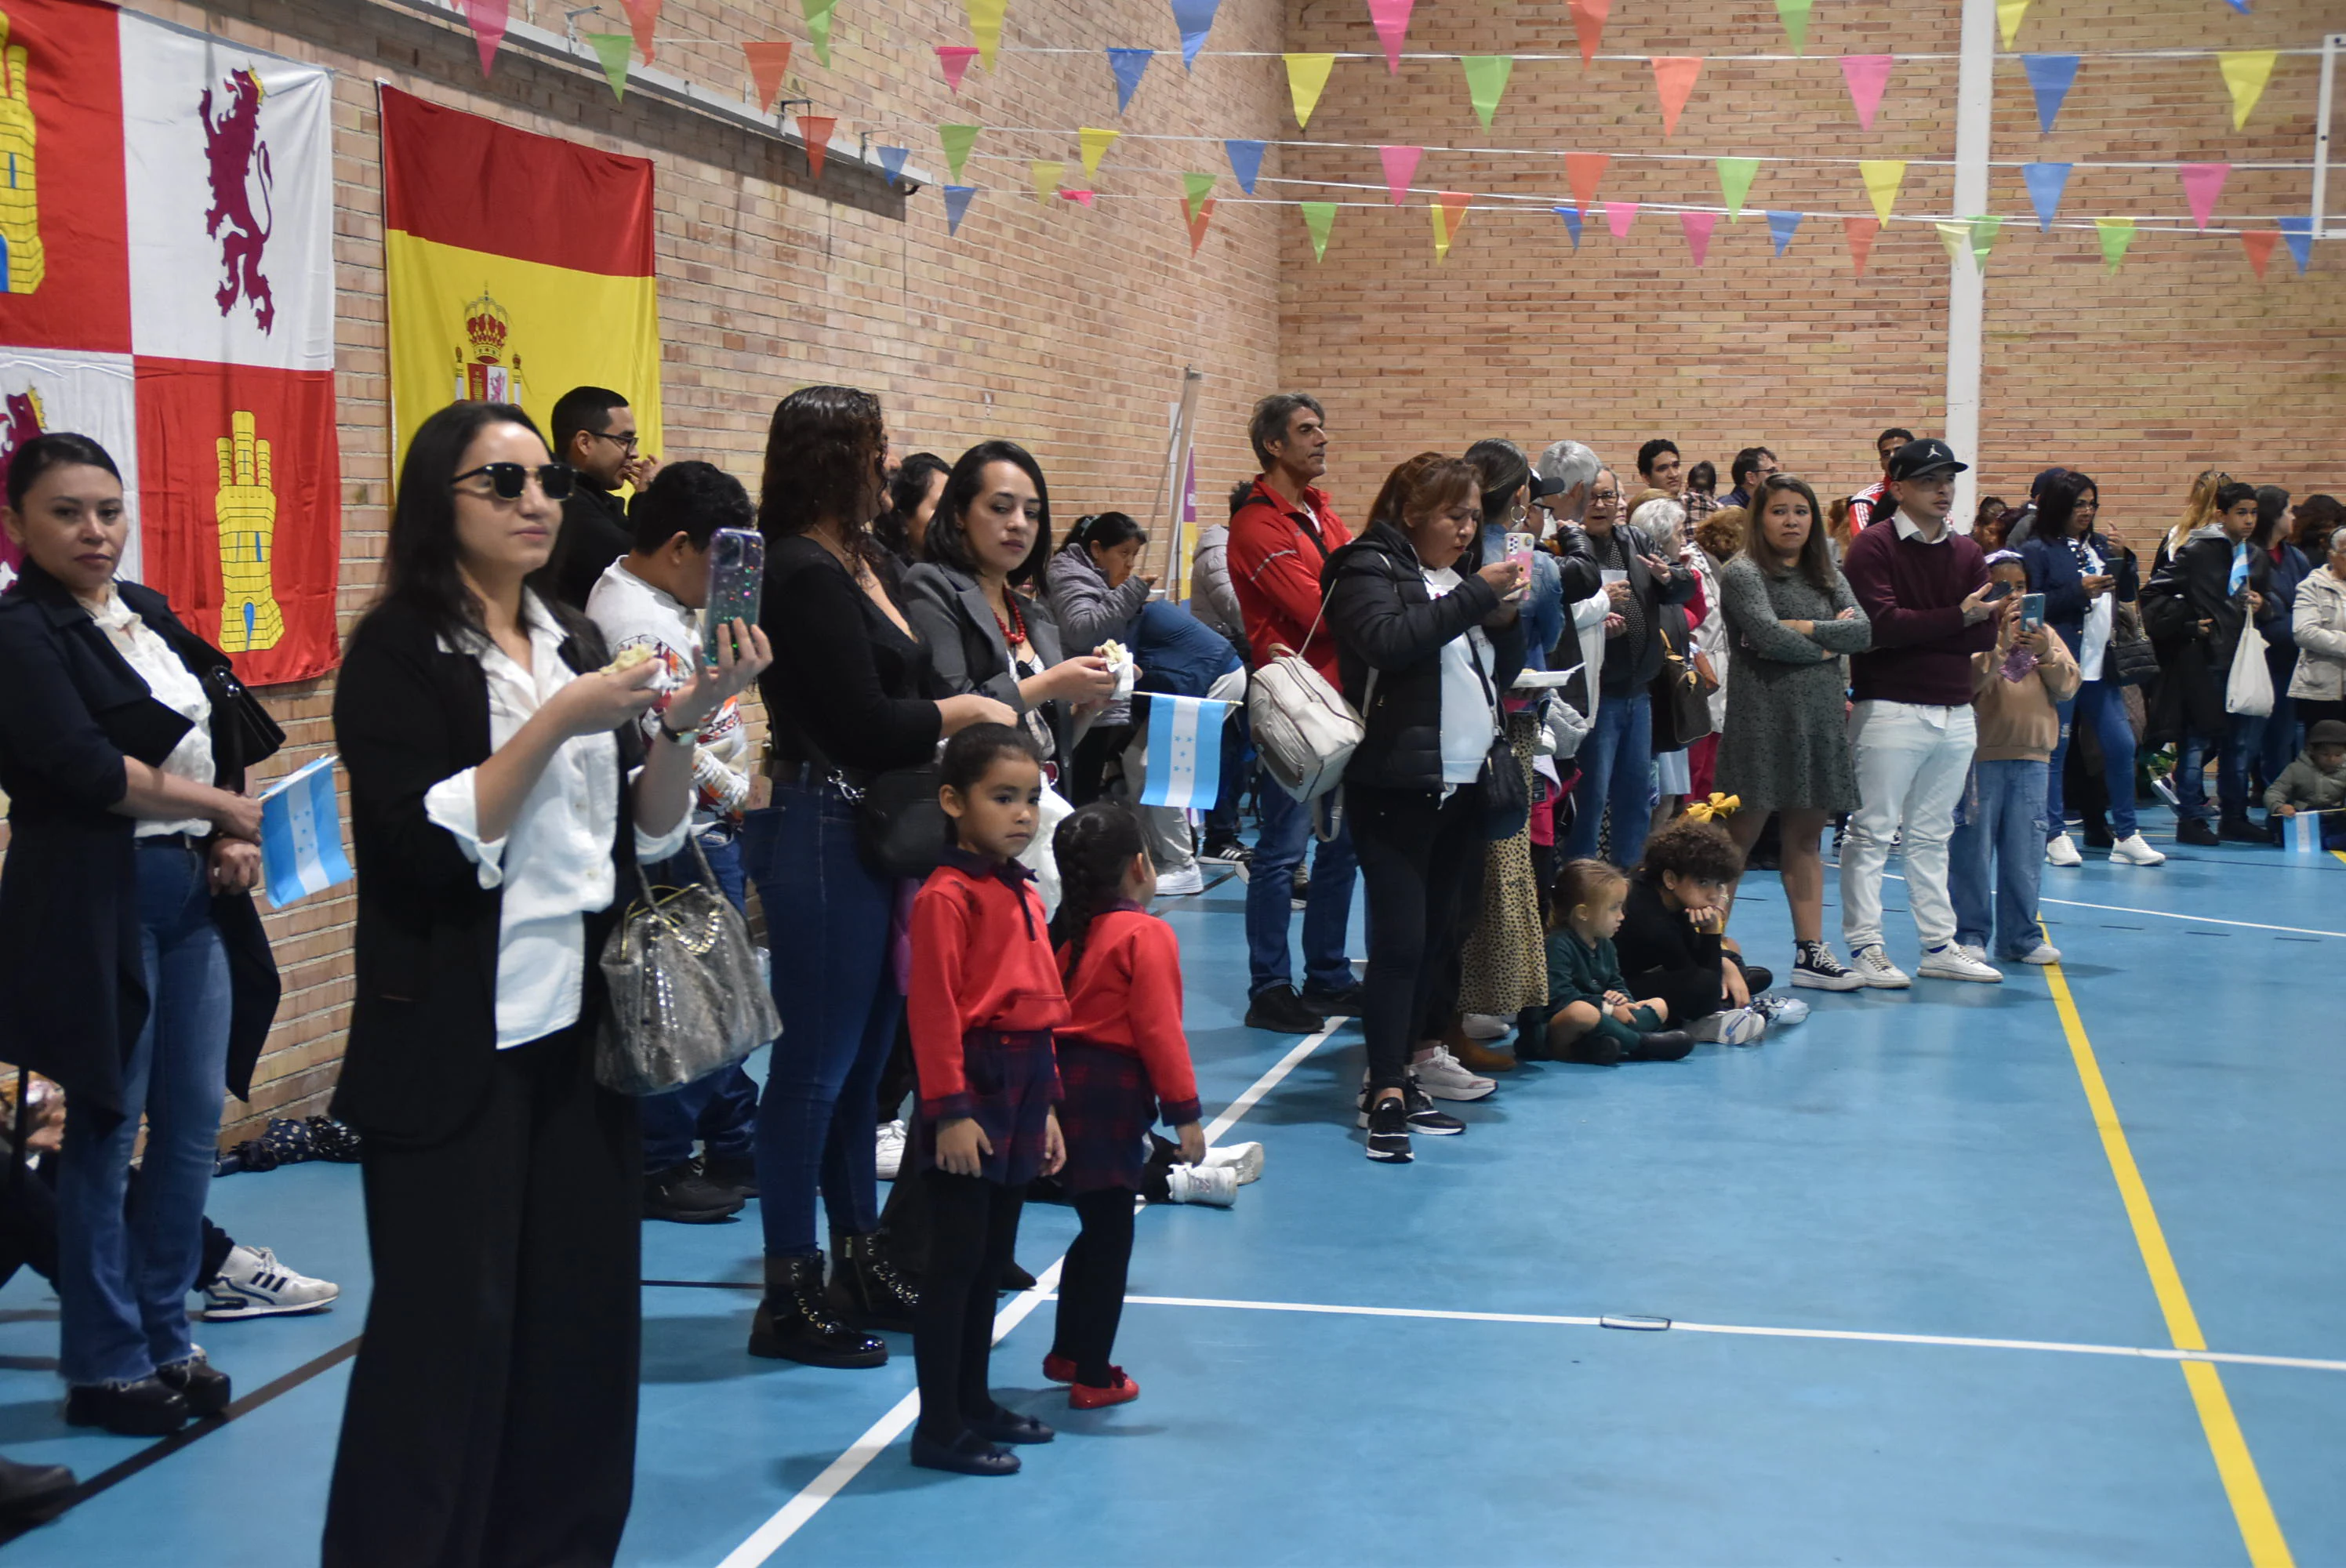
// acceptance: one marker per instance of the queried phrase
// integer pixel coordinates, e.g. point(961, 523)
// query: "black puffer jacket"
point(1391, 630)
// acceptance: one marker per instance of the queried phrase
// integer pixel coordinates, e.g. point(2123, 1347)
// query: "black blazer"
point(73, 991)
point(967, 647)
point(423, 1027)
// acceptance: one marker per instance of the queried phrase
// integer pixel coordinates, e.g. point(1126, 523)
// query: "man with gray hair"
point(1572, 469)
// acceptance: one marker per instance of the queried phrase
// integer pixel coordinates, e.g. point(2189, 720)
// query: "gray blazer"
point(967, 647)
point(1090, 613)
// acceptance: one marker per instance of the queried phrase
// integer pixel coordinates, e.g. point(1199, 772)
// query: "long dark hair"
point(2272, 506)
point(2318, 517)
point(907, 488)
point(419, 568)
point(1092, 848)
point(53, 448)
point(1816, 553)
point(949, 546)
point(1104, 529)
point(2056, 504)
point(1505, 471)
point(823, 453)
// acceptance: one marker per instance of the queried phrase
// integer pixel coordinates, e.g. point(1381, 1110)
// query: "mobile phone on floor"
point(737, 582)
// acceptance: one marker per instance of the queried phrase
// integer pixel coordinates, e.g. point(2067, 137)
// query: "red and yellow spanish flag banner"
point(518, 266)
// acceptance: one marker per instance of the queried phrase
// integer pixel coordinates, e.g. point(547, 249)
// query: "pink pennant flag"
point(1618, 215)
point(1392, 19)
point(1589, 22)
point(1674, 77)
point(1867, 74)
point(1083, 195)
point(954, 58)
point(488, 19)
point(1585, 170)
point(2202, 183)
point(1860, 232)
point(1698, 227)
point(1401, 164)
point(2258, 243)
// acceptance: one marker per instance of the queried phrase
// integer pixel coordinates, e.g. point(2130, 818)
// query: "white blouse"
point(173, 684)
point(1468, 726)
point(555, 861)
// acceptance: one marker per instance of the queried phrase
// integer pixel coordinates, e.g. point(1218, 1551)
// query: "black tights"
point(1091, 1284)
point(1421, 863)
point(975, 1225)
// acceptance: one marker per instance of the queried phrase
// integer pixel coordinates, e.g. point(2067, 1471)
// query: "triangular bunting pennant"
point(2202, 184)
point(1198, 221)
point(1674, 77)
point(1781, 226)
point(1085, 196)
point(1194, 188)
point(2246, 71)
point(1698, 227)
point(986, 27)
point(2046, 181)
point(1984, 229)
point(1319, 218)
point(2239, 5)
point(488, 19)
point(1096, 143)
point(1487, 80)
point(957, 206)
point(1047, 175)
point(957, 140)
point(1866, 74)
point(1128, 66)
point(642, 16)
point(1571, 215)
point(1449, 218)
point(1953, 237)
point(1307, 79)
point(1588, 24)
point(1735, 177)
point(1883, 176)
point(2258, 243)
point(1245, 160)
point(769, 63)
point(892, 159)
point(953, 59)
point(1860, 232)
point(1401, 163)
point(1195, 18)
point(2050, 76)
point(1585, 170)
point(2008, 14)
point(2116, 234)
point(814, 131)
point(612, 49)
point(818, 20)
point(1391, 20)
point(1618, 215)
point(1794, 15)
point(2298, 232)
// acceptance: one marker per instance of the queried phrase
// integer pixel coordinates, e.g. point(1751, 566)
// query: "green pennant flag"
point(958, 140)
point(1735, 177)
point(1978, 236)
point(1794, 15)
point(1194, 188)
point(1487, 80)
point(612, 48)
point(818, 19)
point(1984, 229)
point(1319, 217)
point(2117, 233)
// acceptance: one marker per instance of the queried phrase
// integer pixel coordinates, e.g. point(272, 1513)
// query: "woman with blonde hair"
point(2198, 511)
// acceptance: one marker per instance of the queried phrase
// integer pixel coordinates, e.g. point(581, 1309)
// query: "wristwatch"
point(684, 738)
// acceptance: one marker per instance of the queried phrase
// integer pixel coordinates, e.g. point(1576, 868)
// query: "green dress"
point(1786, 744)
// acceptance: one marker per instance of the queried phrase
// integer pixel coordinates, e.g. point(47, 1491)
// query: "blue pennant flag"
point(892, 160)
point(2298, 232)
point(1571, 215)
point(2046, 183)
point(1245, 161)
point(2239, 5)
point(1183, 762)
point(2050, 76)
point(1196, 19)
point(1128, 64)
point(957, 206)
point(1780, 226)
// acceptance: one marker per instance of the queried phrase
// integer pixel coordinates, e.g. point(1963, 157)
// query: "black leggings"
point(1421, 863)
point(975, 1224)
point(1091, 1284)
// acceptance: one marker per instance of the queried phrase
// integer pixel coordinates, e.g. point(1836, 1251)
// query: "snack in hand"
point(629, 657)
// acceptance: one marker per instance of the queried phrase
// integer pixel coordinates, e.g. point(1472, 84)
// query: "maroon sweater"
point(1913, 594)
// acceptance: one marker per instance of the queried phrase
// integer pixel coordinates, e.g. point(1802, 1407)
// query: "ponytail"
point(1092, 848)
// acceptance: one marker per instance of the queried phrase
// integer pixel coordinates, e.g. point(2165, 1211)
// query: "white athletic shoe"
point(1730, 1026)
point(253, 1284)
point(1953, 963)
point(1441, 1076)
point(1244, 1158)
point(1486, 1027)
point(2063, 851)
point(2134, 850)
point(1181, 882)
point(1973, 952)
point(1782, 1011)
point(1872, 965)
point(891, 1152)
point(2042, 953)
point(1216, 1186)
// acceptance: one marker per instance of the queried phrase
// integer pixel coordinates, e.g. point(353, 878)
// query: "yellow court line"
point(2260, 1530)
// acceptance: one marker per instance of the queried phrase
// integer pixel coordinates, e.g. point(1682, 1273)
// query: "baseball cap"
point(1545, 486)
point(1929, 456)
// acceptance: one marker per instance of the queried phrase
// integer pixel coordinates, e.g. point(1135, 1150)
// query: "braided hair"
point(1092, 847)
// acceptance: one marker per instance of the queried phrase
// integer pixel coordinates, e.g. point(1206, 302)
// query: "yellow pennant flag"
point(1307, 79)
point(1048, 173)
point(1883, 176)
point(2008, 14)
point(1095, 145)
point(2246, 71)
point(986, 27)
point(1449, 210)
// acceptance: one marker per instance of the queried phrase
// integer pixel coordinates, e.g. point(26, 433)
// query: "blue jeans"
point(720, 1110)
point(827, 921)
point(2102, 705)
point(1270, 889)
point(1616, 762)
point(126, 1262)
point(2191, 754)
point(2001, 817)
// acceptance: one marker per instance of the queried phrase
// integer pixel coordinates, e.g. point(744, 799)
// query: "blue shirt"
point(1179, 653)
point(1543, 603)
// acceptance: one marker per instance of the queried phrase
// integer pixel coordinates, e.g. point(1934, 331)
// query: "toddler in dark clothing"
point(1591, 1016)
point(1672, 937)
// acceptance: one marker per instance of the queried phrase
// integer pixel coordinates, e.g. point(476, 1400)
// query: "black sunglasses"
point(507, 480)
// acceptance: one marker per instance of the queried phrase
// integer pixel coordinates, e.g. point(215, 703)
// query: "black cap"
point(1929, 456)
point(2328, 732)
point(1545, 486)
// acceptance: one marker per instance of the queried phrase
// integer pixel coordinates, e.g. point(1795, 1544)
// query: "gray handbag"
point(686, 998)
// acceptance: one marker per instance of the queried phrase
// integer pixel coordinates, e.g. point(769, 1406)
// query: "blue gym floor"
point(1924, 1302)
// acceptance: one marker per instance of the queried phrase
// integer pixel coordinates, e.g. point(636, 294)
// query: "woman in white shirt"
point(501, 795)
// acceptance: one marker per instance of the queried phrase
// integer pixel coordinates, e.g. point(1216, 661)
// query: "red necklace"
point(1014, 630)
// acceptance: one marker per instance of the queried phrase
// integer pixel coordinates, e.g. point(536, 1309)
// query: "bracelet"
point(686, 737)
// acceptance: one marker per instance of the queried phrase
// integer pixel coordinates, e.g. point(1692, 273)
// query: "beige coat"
point(2319, 624)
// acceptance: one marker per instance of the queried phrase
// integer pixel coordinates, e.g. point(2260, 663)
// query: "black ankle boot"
point(795, 1323)
point(147, 1407)
point(865, 1287)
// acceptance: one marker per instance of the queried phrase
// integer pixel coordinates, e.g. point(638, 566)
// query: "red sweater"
point(1275, 573)
point(1913, 594)
point(1127, 995)
point(981, 960)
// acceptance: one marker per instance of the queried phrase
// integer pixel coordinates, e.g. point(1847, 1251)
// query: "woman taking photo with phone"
point(501, 796)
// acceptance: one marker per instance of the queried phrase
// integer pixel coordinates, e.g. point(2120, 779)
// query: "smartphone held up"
point(737, 580)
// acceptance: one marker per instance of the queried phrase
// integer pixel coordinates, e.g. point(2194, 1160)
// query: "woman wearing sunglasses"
point(501, 794)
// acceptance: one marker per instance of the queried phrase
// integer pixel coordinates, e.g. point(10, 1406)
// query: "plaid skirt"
point(1014, 1078)
point(1105, 1117)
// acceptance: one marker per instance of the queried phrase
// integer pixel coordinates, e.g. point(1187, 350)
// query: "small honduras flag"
point(302, 835)
point(1185, 751)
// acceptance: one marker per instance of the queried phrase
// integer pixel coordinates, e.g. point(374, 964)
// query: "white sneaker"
point(1781, 1012)
point(2042, 953)
point(1486, 1027)
point(1872, 965)
point(253, 1284)
point(1214, 1185)
point(1730, 1026)
point(1954, 963)
point(1244, 1158)
point(2134, 850)
point(2062, 851)
point(891, 1152)
point(1441, 1076)
point(1973, 951)
point(1181, 881)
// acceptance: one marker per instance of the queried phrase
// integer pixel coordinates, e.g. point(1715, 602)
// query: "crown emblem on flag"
point(486, 323)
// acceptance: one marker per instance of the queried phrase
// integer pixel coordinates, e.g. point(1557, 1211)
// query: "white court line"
point(2144, 1352)
point(792, 1516)
point(2168, 914)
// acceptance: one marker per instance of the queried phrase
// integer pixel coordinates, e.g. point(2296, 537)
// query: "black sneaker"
point(1758, 978)
point(2243, 831)
point(1345, 1003)
point(1281, 1011)
point(1663, 1046)
point(2196, 830)
point(1424, 1118)
point(1388, 1124)
point(681, 1194)
point(1815, 967)
point(204, 1385)
point(1227, 850)
point(735, 1173)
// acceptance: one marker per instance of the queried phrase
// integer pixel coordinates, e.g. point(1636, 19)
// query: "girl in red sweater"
point(1123, 1059)
point(985, 997)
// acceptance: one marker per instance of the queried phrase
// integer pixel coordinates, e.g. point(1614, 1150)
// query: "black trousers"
point(492, 1410)
point(976, 1223)
point(1422, 865)
point(1092, 1282)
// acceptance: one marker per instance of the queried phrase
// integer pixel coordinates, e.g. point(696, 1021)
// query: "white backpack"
point(1304, 730)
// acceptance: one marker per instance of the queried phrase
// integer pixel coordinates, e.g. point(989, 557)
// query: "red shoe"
point(1059, 1369)
point(1122, 1390)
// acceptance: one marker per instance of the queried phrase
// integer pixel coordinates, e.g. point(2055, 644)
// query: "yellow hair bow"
point(1710, 810)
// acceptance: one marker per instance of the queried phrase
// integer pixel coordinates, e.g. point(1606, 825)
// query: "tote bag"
point(2249, 691)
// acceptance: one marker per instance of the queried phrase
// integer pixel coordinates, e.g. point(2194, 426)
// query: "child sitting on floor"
point(2316, 781)
point(1672, 937)
point(1591, 1016)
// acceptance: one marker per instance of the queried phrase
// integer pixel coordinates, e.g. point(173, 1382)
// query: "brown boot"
point(1475, 1056)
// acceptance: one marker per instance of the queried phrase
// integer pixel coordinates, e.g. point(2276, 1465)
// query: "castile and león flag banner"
point(166, 288)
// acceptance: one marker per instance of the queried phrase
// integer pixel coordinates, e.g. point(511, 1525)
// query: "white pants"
point(1911, 763)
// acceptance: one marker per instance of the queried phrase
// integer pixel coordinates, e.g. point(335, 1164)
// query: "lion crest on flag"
point(237, 160)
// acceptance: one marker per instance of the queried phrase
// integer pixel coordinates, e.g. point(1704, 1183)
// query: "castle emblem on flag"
point(489, 376)
point(23, 263)
point(238, 163)
point(246, 508)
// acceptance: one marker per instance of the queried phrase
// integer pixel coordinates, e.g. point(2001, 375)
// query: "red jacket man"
point(1280, 538)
